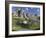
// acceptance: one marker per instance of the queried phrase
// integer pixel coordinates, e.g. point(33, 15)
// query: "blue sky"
point(32, 10)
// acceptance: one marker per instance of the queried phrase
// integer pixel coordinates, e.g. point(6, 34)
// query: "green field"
point(16, 26)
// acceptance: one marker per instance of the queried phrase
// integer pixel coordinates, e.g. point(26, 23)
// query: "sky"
point(32, 10)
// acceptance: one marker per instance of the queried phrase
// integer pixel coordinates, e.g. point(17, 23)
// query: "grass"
point(16, 27)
